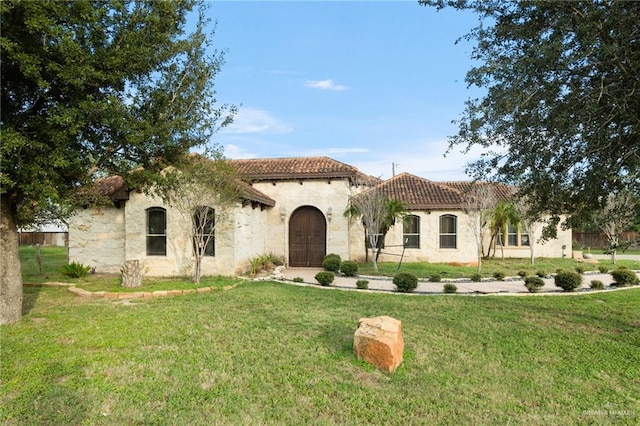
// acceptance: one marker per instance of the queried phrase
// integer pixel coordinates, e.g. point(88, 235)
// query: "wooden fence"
point(60, 239)
point(598, 240)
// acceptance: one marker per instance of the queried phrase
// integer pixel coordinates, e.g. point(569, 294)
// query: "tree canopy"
point(561, 114)
point(95, 88)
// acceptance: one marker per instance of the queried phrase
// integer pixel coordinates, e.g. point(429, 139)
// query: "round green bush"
point(349, 268)
point(449, 288)
point(362, 284)
point(568, 280)
point(331, 262)
point(476, 277)
point(499, 275)
point(541, 273)
point(298, 280)
point(624, 277)
point(522, 274)
point(533, 284)
point(596, 285)
point(580, 269)
point(405, 282)
point(603, 269)
point(435, 278)
point(325, 278)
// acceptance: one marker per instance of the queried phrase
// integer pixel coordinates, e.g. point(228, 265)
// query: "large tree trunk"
point(10, 269)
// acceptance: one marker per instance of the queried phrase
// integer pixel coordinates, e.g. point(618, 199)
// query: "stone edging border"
point(126, 295)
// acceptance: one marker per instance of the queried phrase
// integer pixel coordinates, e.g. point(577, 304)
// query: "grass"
point(273, 353)
point(509, 266)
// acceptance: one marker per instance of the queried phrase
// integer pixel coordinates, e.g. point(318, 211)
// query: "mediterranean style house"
point(292, 207)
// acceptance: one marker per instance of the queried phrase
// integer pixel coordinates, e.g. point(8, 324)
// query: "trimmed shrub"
point(580, 269)
point(596, 285)
point(476, 277)
point(325, 278)
point(522, 274)
point(499, 275)
point(541, 273)
point(449, 288)
point(298, 280)
point(331, 262)
point(405, 282)
point(603, 269)
point(533, 284)
point(435, 278)
point(349, 268)
point(568, 280)
point(362, 284)
point(624, 277)
point(75, 270)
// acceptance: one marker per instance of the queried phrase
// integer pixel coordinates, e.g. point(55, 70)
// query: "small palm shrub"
point(499, 275)
point(449, 288)
point(332, 262)
point(603, 269)
point(75, 270)
point(362, 284)
point(325, 278)
point(349, 268)
point(596, 285)
point(435, 278)
point(624, 277)
point(533, 284)
point(405, 282)
point(568, 280)
point(476, 277)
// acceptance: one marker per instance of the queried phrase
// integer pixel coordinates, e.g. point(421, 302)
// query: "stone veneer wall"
point(96, 238)
point(321, 194)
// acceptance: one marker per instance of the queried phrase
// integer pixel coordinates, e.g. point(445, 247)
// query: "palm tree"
point(504, 213)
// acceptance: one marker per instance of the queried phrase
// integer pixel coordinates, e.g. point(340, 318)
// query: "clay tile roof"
point(115, 188)
point(249, 193)
point(420, 194)
point(296, 168)
point(502, 191)
point(112, 187)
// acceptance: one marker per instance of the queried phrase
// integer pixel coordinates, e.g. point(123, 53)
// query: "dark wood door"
point(307, 237)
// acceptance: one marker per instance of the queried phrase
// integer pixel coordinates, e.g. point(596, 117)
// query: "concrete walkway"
point(511, 285)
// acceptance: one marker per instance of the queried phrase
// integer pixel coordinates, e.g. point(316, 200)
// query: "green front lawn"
point(274, 353)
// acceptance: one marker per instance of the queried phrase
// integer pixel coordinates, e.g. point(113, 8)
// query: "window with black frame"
point(448, 231)
point(411, 231)
point(156, 231)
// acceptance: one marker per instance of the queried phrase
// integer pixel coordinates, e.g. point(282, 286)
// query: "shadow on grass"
point(29, 298)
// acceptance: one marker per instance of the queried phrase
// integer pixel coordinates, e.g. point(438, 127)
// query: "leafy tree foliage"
point(561, 114)
point(95, 88)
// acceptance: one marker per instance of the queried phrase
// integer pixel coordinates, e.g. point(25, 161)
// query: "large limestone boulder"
point(379, 342)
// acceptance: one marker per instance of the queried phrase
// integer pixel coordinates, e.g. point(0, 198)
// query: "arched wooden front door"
point(307, 237)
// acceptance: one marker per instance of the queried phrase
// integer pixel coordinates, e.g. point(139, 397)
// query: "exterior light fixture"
point(283, 213)
point(329, 214)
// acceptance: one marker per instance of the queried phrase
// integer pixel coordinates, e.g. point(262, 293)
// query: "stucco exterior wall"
point(96, 238)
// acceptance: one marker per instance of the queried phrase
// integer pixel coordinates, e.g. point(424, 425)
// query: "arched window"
point(204, 222)
point(156, 231)
point(448, 231)
point(411, 231)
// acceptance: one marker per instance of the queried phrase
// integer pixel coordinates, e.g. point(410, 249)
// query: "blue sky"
point(366, 83)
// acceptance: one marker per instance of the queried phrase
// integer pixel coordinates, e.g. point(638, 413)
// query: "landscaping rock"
point(379, 342)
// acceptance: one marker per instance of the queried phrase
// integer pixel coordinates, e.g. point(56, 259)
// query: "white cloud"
point(249, 120)
point(237, 152)
point(325, 85)
point(330, 151)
